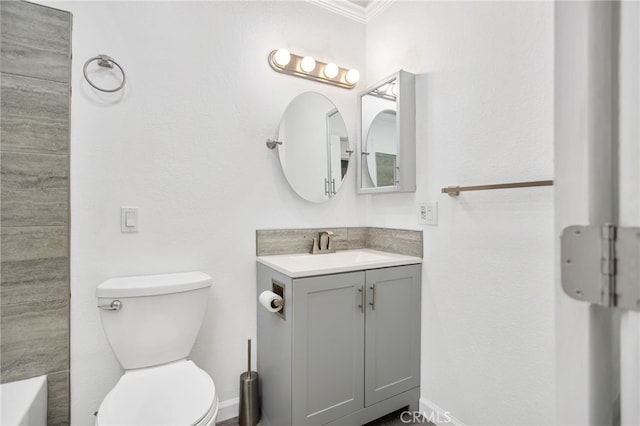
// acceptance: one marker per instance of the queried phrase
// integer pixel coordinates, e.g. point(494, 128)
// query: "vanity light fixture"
point(283, 61)
point(282, 57)
point(352, 76)
point(331, 70)
point(308, 64)
point(387, 91)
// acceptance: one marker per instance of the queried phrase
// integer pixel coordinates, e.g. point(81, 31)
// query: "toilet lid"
point(174, 394)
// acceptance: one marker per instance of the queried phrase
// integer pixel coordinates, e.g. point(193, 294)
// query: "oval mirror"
point(314, 151)
point(381, 146)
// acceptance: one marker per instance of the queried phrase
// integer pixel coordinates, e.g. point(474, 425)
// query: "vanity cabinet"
point(347, 350)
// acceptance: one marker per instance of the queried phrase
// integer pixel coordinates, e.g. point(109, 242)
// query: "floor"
point(392, 419)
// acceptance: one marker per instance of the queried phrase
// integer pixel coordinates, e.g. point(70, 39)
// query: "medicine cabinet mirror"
point(387, 145)
point(313, 147)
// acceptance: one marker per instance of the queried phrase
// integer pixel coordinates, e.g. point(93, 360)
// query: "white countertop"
point(305, 264)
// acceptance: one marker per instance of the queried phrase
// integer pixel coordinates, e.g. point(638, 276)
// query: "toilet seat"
point(174, 394)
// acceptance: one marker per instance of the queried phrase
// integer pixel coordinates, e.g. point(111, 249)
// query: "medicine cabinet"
point(387, 143)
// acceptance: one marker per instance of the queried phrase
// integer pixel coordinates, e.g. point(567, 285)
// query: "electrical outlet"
point(428, 213)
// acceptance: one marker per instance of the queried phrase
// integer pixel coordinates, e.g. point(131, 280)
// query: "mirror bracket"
point(272, 143)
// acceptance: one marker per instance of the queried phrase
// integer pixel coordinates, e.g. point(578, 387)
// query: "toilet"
point(151, 323)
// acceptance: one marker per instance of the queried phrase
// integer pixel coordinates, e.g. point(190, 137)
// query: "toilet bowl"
point(179, 393)
point(151, 323)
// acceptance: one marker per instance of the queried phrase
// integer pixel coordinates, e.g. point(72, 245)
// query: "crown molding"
point(343, 7)
point(375, 7)
point(353, 11)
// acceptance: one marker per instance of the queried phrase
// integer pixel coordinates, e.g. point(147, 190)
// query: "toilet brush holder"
point(249, 414)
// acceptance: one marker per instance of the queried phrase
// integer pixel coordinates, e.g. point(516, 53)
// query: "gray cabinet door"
point(392, 348)
point(328, 348)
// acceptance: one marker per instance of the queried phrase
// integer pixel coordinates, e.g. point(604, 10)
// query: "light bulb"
point(282, 57)
point(308, 64)
point(393, 89)
point(353, 76)
point(331, 70)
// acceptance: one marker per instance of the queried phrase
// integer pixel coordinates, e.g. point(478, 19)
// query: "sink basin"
point(338, 258)
point(305, 264)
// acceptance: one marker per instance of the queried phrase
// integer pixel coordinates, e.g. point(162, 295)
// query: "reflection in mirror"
point(379, 130)
point(381, 147)
point(315, 152)
point(386, 151)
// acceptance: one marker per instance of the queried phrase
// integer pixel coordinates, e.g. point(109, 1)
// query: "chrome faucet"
point(324, 243)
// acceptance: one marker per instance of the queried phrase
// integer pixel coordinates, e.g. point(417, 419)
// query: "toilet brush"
point(249, 400)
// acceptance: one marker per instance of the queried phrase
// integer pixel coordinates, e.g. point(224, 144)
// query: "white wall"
point(485, 115)
point(186, 144)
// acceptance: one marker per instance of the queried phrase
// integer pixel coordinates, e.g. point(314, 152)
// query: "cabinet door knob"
point(361, 305)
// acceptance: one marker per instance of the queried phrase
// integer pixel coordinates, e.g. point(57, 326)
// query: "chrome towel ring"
point(107, 62)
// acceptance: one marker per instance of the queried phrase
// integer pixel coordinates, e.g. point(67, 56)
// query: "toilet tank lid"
point(151, 285)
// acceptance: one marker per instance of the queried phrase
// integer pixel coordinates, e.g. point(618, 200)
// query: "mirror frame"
point(405, 136)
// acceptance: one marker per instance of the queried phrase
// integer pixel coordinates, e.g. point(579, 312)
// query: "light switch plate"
point(428, 213)
point(128, 220)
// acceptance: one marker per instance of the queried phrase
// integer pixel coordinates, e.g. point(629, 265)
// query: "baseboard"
point(437, 415)
point(228, 409)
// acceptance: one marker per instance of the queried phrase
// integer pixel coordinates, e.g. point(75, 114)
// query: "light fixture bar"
point(294, 67)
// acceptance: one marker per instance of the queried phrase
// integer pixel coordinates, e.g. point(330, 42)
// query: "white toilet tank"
point(156, 318)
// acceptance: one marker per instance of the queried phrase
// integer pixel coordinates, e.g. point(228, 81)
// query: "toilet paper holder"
point(278, 288)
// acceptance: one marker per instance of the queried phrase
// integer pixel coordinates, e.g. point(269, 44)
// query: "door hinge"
point(601, 265)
